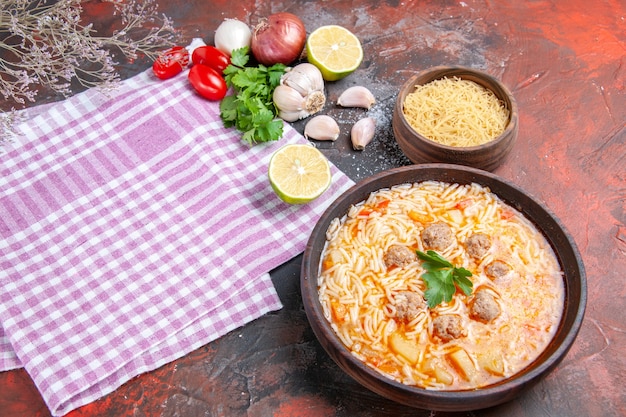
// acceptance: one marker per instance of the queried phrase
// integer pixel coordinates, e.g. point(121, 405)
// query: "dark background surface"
point(565, 63)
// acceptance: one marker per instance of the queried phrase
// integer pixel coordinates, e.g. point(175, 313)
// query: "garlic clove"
point(292, 116)
point(297, 81)
point(314, 75)
point(362, 133)
point(288, 99)
point(305, 78)
point(322, 127)
point(356, 96)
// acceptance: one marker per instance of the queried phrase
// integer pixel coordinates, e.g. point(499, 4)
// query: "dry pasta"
point(455, 112)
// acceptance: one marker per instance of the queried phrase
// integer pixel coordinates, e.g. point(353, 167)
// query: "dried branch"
point(45, 43)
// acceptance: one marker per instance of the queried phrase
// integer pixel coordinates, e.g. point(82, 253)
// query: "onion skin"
point(279, 39)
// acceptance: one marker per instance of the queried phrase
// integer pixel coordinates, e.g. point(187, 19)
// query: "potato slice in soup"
point(435, 368)
point(404, 347)
point(464, 365)
point(491, 362)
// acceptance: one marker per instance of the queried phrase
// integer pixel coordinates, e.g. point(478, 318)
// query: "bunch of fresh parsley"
point(442, 278)
point(251, 108)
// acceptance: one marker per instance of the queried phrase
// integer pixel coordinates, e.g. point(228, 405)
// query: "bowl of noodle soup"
point(368, 303)
point(455, 115)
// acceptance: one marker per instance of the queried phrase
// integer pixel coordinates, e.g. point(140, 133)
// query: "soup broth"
point(372, 291)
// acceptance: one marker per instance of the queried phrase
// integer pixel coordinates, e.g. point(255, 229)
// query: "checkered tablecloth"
point(135, 228)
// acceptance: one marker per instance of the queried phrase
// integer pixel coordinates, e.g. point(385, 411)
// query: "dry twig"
point(45, 43)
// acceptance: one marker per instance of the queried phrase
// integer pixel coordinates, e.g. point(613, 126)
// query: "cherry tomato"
point(171, 62)
point(211, 56)
point(207, 82)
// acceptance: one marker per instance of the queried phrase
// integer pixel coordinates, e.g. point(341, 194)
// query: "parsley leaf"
point(442, 278)
point(240, 57)
point(251, 108)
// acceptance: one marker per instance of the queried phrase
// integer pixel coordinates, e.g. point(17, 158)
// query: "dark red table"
point(565, 62)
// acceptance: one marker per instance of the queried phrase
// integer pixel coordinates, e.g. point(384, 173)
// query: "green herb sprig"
point(251, 109)
point(442, 278)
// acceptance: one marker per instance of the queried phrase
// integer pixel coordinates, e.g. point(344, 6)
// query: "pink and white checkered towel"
point(135, 228)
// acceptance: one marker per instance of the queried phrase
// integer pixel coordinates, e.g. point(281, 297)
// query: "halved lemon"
point(335, 50)
point(299, 173)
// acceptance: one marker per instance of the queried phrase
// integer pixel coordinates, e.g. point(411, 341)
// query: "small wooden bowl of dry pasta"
point(455, 115)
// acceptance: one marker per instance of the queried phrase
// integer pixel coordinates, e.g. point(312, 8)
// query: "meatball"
point(484, 307)
point(477, 245)
point(497, 269)
point(408, 305)
point(448, 327)
point(399, 255)
point(437, 236)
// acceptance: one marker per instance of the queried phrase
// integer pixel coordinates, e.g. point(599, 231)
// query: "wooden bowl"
point(419, 148)
point(561, 242)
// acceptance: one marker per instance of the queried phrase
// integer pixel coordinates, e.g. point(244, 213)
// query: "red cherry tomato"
point(211, 56)
point(207, 82)
point(171, 62)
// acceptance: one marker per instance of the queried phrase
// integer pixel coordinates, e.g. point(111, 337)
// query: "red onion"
point(278, 39)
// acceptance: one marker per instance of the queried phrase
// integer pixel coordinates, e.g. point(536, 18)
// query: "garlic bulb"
point(356, 96)
point(321, 127)
point(362, 133)
point(300, 93)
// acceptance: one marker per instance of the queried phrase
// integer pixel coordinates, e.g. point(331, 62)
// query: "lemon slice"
point(299, 173)
point(335, 51)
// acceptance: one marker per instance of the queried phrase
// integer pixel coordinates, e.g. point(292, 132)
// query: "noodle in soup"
point(372, 293)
